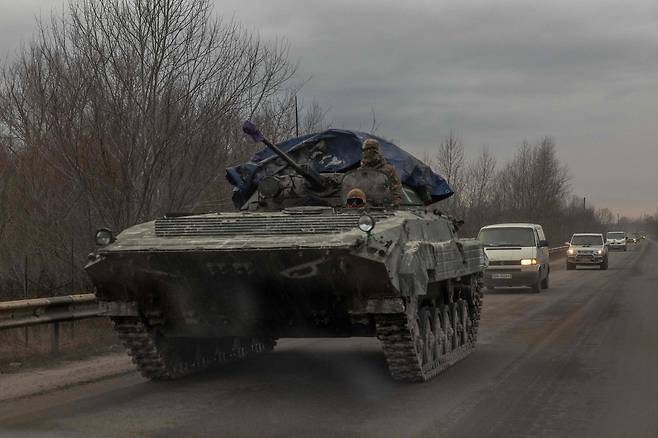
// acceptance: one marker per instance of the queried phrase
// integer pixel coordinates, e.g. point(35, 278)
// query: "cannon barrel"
point(314, 178)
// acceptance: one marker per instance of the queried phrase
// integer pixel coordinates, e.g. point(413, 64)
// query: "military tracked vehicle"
point(187, 292)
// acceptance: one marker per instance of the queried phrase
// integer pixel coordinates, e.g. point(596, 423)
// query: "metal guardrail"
point(23, 313)
point(558, 249)
point(26, 313)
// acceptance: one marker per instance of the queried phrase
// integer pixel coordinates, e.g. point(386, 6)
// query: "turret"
point(316, 180)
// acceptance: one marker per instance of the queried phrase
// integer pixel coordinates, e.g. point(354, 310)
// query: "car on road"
point(518, 256)
point(587, 249)
point(617, 240)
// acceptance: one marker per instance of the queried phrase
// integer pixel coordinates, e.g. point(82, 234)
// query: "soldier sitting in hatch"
point(356, 199)
point(372, 158)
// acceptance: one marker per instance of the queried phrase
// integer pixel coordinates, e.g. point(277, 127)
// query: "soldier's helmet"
point(370, 144)
point(355, 199)
point(370, 154)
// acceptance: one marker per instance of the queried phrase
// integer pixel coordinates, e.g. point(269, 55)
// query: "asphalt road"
point(580, 359)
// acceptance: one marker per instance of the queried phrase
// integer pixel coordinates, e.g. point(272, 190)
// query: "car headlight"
point(366, 223)
point(104, 237)
point(528, 262)
point(571, 251)
point(599, 252)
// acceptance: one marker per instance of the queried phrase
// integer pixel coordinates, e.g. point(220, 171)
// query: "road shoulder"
point(66, 374)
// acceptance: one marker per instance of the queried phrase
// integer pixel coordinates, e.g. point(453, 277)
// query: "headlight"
point(528, 262)
point(571, 251)
point(366, 223)
point(104, 237)
point(599, 252)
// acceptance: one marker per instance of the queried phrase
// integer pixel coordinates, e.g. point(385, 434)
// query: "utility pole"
point(296, 118)
point(25, 288)
point(584, 204)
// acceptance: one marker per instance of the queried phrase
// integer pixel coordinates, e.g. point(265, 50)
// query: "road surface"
point(580, 359)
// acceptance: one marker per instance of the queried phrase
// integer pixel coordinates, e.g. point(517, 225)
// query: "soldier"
point(372, 158)
point(356, 199)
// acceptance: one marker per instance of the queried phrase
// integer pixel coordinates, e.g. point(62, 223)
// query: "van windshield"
point(586, 240)
point(616, 235)
point(507, 237)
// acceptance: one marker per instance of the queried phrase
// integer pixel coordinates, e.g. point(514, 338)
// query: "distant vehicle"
point(587, 249)
point(518, 256)
point(617, 240)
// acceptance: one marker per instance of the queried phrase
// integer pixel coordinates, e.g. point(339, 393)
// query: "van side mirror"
point(543, 243)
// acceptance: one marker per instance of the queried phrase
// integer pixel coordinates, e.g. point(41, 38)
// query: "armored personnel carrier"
point(189, 292)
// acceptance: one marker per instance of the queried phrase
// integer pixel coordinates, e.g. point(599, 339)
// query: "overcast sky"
point(497, 72)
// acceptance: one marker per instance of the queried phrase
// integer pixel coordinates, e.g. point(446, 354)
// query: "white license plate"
point(501, 276)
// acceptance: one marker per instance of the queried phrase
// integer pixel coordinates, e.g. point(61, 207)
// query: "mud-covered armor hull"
point(186, 293)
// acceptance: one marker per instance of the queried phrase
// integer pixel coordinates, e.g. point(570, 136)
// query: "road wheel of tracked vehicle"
point(160, 358)
point(455, 312)
point(420, 344)
point(447, 328)
point(439, 332)
point(439, 336)
point(475, 308)
point(428, 336)
point(465, 321)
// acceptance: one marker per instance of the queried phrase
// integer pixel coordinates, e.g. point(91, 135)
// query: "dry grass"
point(78, 339)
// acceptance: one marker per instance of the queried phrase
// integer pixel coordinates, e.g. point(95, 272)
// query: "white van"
point(617, 240)
point(518, 256)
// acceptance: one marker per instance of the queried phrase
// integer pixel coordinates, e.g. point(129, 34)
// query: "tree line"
point(118, 111)
point(533, 186)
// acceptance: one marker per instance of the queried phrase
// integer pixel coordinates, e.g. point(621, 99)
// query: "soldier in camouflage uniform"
point(372, 158)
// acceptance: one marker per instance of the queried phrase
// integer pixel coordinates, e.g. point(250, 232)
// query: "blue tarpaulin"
point(340, 152)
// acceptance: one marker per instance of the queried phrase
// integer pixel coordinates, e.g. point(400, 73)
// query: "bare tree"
point(478, 187)
point(374, 125)
point(449, 158)
point(534, 184)
point(449, 162)
point(6, 171)
point(315, 118)
point(122, 110)
point(550, 178)
point(605, 216)
point(277, 117)
point(134, 98)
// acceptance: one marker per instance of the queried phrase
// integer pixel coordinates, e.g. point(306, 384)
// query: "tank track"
point(161, 358)
point(421, 347)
